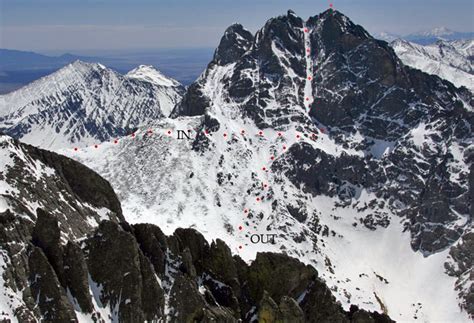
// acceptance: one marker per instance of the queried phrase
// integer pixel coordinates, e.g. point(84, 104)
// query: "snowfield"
point(161, 180)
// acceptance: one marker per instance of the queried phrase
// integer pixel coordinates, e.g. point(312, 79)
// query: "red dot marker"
point(240, 247)
point(133, 135)
point(265, 185)
point(115, 141)
point(258, 199)
point(240, 227)
point(75, 149)
point(96, 146)
point(307, 99)
point(169, 132)
point(260, 133)
point(272, 157)
point(150, 131)
point(284, 147)
point(246, 211)
point(206, 132)
point(242, 132)
point(279, 134)
point(308, 50)
point(264, 168)
point(309, 78)
point(306, 30)
point(330, 5)
point(297, 136)
point(225, 135)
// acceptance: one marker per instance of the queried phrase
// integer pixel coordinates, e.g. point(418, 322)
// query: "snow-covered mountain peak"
point(313, 131)
point(81, 68)
point(148, 73)
point(86, 103)
point(437, 32)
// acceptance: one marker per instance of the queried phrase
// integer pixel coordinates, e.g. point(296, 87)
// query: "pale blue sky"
point(139, 24)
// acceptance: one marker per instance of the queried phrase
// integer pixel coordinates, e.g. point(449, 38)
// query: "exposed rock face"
point(46, 200)
point(76, 274)
point(409, 133)
point(235, 42)
point(47, 291)
point(129, 284)
point(385, 101)
point(110, 271)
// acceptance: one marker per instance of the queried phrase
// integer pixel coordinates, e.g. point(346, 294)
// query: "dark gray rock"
point(130, 285)
point(76, 276)
point(47, 290)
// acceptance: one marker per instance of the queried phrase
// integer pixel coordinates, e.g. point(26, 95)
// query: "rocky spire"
point(235, 42)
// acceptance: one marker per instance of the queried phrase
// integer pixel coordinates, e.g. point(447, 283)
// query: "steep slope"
point(314, 133)
point(31, 178)
point(58, 264)
point(450, 61)
point(86, 103)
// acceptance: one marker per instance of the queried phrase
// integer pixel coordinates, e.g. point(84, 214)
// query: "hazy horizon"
point(55, 26)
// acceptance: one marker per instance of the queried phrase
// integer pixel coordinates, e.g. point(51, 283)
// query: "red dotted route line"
point(298, 135)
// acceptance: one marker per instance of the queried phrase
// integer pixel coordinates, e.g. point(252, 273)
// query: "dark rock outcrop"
point(129, 285)
point(47, 290)
point(221, 288)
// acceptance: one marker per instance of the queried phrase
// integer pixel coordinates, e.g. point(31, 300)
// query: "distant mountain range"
point(11, 60)
point(428, 37)
point(18, 68)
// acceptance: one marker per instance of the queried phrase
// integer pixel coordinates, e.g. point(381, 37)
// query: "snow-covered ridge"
point(448, 60)
point(428, 37)
point(150, 74)
point(465, 47)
